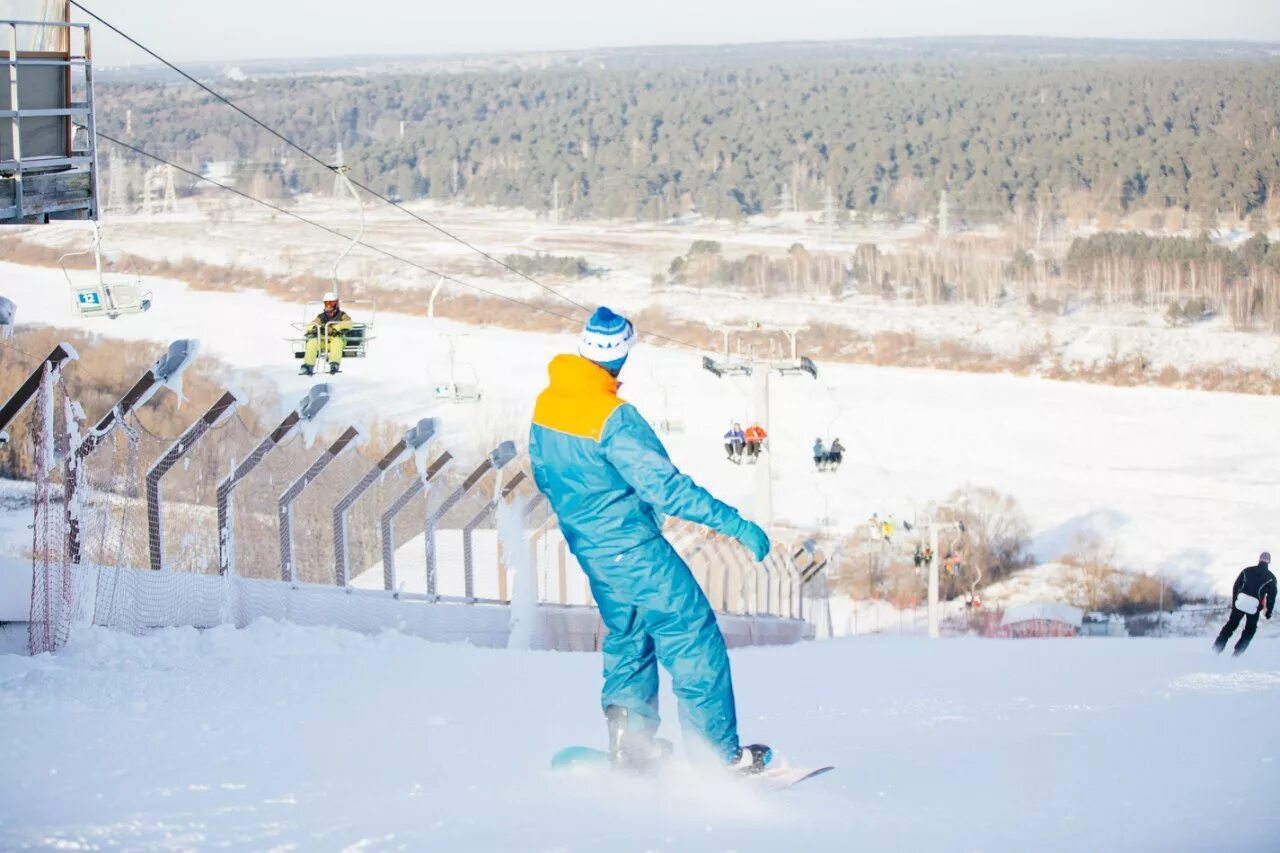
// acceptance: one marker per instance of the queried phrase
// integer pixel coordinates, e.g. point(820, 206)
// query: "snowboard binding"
point(637, 750)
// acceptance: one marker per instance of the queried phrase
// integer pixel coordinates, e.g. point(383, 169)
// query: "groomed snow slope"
point(1179, 482)
point(278, 737)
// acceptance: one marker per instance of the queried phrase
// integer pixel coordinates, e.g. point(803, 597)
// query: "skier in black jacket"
point(1254, 591)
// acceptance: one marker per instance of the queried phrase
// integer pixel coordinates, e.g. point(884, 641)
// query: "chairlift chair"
point(730, 364)
point(357, 338)
point(105, 295)
point(459, 389)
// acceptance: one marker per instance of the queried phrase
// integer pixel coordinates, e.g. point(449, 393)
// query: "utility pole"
point(944, 217)
point(934, 610)
point(760, 369)
point(339, 168)
point(764, 461)
point(829, 215)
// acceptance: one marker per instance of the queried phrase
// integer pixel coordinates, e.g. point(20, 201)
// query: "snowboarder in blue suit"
point(610, 481)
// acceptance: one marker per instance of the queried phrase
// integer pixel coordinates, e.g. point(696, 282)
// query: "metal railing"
point(48, 182)
point(734, 584)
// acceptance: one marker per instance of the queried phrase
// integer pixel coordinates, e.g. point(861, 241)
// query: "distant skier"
point(755, 440)
point(734, 440)
point(1255, 589)
point(819, 454)
point(328, 329)
point(835, 454)
point(609, 480)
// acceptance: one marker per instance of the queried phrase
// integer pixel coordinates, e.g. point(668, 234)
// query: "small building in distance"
point(1041, 620)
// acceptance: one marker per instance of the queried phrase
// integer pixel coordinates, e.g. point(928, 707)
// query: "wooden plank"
point(49, 192)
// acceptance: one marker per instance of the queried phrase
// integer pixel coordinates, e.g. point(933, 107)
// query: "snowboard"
point(769, 779)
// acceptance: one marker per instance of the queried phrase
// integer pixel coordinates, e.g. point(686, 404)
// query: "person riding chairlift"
point(734, 440)
point(755, 436)
point(330, 325)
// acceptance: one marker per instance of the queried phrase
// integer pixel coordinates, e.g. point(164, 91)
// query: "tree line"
point(1002, 136)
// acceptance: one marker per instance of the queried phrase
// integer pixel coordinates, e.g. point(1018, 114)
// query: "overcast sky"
point(239, 29)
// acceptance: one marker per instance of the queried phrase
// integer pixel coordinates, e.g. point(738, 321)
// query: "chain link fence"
point(143, 529)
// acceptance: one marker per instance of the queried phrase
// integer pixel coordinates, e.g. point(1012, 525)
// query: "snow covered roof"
point(1043, 610)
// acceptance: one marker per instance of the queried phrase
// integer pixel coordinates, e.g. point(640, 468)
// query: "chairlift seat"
point(457, 392)
point(668, 426)
point(112, 300)
point(355, 342)
point(804, 364)
point(722, 369)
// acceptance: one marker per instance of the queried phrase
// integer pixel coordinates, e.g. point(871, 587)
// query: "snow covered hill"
point(1183, 483)
point(278, 737)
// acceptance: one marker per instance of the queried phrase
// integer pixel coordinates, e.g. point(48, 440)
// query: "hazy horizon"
point(290, 29)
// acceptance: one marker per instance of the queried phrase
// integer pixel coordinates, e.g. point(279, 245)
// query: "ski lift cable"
point(328, 166)
point(26, 355)
point(377, 249)
point(335, 232)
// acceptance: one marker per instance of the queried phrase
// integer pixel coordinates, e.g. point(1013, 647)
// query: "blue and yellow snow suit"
point(607, 476)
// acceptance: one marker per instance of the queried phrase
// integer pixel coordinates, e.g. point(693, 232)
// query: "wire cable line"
point(297, 147)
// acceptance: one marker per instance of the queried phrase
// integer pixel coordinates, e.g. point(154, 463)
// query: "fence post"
point(468, 562)
point(223, 408)
point(562, 569)
point(416, 437)
point(27, 390)
point(52, 592)
point(306, 410)
point(295, 490)
point(387, 524)
point(773, 603)
point(166, 369)
point(501, 455)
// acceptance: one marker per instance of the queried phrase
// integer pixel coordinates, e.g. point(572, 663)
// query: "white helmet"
point(330, 297)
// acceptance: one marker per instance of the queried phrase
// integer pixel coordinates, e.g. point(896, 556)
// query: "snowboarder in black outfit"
point(1254, 590)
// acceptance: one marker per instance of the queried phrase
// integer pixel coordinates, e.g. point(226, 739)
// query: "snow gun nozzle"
point(8, 313)
point(173, 362)
point(317, 398)
point(421, 432)
point(503, 454)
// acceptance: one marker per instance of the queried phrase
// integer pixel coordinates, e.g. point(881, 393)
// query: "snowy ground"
point(628, 254)
point(1182, 483)
point(277, 737)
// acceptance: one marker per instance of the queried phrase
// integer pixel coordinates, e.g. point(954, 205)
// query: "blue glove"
point(753, 538)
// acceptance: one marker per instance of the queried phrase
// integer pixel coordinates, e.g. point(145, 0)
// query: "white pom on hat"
point(607, 338)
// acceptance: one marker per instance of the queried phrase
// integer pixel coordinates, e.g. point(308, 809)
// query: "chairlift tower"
point(829, 215)
point(48, 144)
point(340, 172)
point(760, 369)
point(936, 527)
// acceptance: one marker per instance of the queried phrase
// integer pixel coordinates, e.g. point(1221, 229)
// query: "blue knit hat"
point(607, 340)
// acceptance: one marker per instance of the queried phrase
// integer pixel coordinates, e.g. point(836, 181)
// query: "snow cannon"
point(420, 433)
point(503, 454)
point(170, 365)
point(317, 398)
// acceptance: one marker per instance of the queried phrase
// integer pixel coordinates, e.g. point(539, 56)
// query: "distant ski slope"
point(1186, 483)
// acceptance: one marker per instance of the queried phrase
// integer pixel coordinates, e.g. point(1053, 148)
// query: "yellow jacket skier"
point(327, 330)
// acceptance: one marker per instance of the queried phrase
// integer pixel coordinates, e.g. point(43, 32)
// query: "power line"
point(399, 258)
point(335, 232)
point(328, 166)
